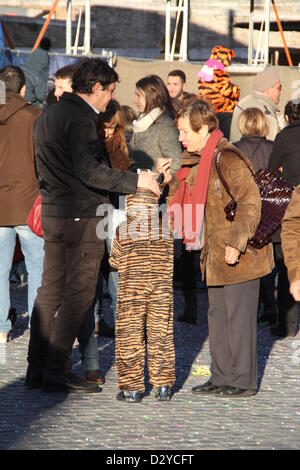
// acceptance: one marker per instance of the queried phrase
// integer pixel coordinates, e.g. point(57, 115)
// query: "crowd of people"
point(115, 185)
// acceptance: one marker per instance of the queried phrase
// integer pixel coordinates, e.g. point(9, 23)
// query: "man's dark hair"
point(66, 72)
point(92, 71)
point(178, 73)
point(13, 77)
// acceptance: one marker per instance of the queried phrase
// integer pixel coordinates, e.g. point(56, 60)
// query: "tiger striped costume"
point(223, 94)
point(145, 297)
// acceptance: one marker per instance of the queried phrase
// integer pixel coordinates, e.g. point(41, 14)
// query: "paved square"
point(30, 419)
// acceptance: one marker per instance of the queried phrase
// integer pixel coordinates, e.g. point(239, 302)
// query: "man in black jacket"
point(74, 180)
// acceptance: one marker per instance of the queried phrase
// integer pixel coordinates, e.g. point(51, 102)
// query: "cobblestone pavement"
point(30, 419)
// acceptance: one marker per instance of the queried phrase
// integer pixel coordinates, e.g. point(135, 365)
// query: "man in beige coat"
point(290, 238)
point(18, 190)
point(265, 95)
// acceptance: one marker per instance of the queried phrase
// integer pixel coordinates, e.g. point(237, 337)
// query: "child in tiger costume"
point(144, 260)
point(215, 84)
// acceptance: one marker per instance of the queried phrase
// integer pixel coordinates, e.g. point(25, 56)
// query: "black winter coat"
point(257, 149)
point(74, 175)
point(286, 153)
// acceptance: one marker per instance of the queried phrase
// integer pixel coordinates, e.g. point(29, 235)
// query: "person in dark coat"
point(254, 127)
point(74, 180)
point(286, 156)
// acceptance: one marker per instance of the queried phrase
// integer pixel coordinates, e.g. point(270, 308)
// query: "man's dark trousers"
point(73, 254)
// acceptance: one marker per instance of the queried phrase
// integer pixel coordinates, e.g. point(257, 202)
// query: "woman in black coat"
point(254, 128)
point(285, 157)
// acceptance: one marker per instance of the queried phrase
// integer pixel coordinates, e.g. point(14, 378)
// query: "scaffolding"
point(179, 7)
point(262, 48)
point(86, 47)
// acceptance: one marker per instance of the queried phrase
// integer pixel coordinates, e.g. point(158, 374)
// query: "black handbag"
point(275, 193)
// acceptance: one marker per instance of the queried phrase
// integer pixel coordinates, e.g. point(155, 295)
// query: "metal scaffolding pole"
point(69, 27)
point(267, 31)
point(262, 49)
point(181, 7)
point(87, 32)
point(86, 47)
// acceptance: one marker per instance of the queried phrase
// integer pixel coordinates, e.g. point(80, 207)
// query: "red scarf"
point(187, 209)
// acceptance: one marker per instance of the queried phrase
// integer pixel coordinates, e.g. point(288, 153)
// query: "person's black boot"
point(190, 307)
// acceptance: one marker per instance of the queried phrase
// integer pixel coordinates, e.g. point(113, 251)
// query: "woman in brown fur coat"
point(231, 267)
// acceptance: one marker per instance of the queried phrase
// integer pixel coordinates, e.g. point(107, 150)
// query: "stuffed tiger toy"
point(215, 85)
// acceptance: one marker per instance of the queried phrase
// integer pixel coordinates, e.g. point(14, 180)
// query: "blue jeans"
point(88, 345)
point(113, 291)
point(97, 306)
point(32, 248)
point(87, 341)
point(118, 216)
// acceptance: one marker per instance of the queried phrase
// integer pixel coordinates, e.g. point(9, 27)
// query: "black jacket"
point(74, 175)
point(286, 153)
point(257, 149)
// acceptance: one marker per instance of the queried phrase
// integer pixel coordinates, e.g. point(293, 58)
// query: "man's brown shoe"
point(93, 376)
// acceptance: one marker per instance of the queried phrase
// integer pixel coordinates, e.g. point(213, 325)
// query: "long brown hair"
point(156, 93)
point(115, 146)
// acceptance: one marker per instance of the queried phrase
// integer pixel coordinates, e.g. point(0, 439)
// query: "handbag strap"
point(219, 171)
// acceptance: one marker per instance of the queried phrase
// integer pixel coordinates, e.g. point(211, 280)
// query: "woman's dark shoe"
point(132, 396)
point(93, 376)
point(231, 392)
point(163, 393)
point(206, 388)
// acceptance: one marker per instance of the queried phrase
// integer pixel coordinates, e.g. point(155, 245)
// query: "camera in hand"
point(160, 178)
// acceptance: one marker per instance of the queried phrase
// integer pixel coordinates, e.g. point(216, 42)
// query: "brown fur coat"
point(219, 232)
